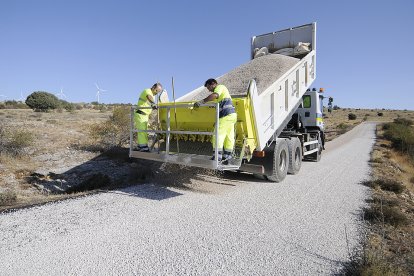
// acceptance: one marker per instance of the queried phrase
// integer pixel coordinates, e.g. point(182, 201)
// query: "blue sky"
point(364, 54)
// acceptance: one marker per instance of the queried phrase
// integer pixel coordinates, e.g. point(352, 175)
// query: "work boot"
point(144, 149)
point(220, 156)
point(227, 155)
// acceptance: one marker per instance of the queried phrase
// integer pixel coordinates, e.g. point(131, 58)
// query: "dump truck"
point(279, 116)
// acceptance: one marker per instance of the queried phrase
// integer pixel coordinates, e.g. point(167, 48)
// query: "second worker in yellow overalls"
point(146, 99)
point(227, 118)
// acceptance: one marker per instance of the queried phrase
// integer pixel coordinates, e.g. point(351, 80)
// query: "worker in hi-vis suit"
point(146, 99)
point(227, 118)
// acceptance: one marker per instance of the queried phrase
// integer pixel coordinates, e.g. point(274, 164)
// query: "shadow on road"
point(147, 191)
point(115, 171)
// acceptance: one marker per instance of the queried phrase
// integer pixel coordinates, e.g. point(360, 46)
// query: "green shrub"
point(352, 116)
point(14, 143)
point(115, 131)
point(386, 185)
point(19, 140)
point(42, 101)
point(13, 105)
point(67, 105)
point(7, 197)
point(380, 114)
point(401, 135)
point(403, 121)
point(342, 126)
point(390, 215)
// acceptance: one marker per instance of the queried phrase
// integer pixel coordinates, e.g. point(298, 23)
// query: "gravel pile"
point(265, 70)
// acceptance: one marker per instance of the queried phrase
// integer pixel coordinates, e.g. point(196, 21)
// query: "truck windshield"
point(306, 101)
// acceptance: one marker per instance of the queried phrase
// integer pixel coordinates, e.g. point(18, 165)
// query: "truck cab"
point(311, 110)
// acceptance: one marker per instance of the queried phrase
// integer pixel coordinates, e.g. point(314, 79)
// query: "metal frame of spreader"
point(194, 160)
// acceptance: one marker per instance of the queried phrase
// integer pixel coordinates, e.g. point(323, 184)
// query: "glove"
point(154, 106)
point(197, 104)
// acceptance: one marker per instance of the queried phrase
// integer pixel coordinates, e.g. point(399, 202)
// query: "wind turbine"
point(61, 94)
point(99, 91)
point(22, 98)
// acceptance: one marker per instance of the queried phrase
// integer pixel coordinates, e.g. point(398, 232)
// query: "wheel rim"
point(282, 161)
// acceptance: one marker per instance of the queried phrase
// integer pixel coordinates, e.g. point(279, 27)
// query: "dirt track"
point(237, 225)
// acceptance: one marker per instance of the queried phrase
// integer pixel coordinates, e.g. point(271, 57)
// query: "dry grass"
point(39, 134)
point(389, 249)
point(337, 122)
point(7, 197)
point(386, 185)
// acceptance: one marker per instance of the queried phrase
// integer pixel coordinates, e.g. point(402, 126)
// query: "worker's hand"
point(154, 106)
point(197, 104)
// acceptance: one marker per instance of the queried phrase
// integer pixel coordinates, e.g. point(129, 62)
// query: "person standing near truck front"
point(146, 99)
point(227, 118)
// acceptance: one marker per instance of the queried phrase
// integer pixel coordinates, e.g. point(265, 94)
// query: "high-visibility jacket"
point(224, 100)
point(143, 101)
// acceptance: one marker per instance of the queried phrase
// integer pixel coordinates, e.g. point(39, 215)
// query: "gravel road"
point(240, 227)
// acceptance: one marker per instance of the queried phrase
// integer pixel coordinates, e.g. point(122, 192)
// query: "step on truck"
point(279, 116)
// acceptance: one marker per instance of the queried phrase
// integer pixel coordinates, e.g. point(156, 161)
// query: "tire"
point(280, 161)
point(295, 155)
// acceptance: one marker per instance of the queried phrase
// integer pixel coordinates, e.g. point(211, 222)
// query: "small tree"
point(42, 101)
point(351, 116)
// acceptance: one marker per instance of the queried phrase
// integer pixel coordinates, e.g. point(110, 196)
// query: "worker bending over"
point(146, 99)
point(227, 118)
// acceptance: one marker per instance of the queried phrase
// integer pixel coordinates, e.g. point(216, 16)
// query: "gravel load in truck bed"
point(265, 70)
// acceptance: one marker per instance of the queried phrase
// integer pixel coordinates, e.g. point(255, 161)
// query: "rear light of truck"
point(260, 154)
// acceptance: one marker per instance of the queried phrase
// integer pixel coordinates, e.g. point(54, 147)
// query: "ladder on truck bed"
point(164, 154)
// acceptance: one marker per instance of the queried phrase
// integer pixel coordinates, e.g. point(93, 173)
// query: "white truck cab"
point(311, 109)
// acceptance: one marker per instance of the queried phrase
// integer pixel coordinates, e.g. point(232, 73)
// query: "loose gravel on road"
point(242, 226)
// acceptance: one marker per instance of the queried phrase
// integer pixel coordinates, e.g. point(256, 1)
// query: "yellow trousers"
point(141, 123)
point(226, 133)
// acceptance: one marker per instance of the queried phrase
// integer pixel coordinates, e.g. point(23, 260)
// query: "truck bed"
point(265, 70)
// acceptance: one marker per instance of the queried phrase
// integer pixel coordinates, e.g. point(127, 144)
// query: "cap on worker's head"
point(210, 82)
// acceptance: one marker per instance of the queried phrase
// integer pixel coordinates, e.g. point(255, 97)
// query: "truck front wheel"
point(280, 161)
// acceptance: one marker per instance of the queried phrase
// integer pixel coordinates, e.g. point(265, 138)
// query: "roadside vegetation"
point(389, 216)
point(114, 132)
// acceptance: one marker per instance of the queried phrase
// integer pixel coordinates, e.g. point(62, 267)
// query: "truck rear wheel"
point(280, 161)
point(295, 155)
